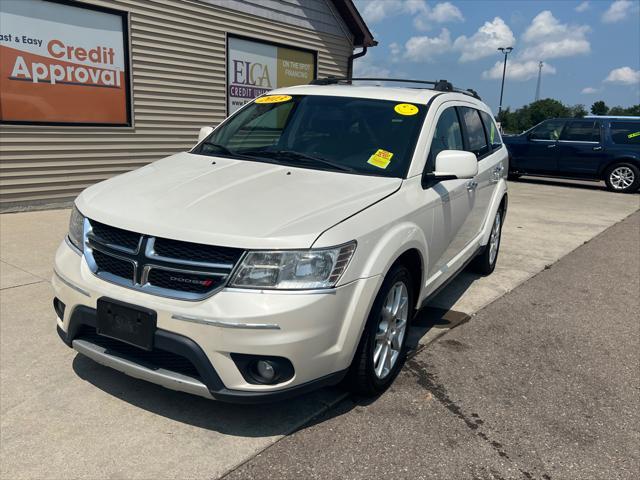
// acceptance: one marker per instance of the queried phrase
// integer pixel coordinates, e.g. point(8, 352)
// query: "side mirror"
point(204, 133)
point(452, 164)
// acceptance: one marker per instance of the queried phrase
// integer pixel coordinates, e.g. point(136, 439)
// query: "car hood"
point(239, 203)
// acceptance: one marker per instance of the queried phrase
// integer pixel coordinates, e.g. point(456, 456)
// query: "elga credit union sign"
point(256, 67)
point(62, 64)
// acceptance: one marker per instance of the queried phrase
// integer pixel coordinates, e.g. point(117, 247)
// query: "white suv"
point(290, 248)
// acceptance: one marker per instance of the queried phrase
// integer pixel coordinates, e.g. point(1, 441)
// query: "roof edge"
point(361, 34)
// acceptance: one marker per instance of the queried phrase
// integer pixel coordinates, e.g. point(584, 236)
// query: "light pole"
point(506, 51)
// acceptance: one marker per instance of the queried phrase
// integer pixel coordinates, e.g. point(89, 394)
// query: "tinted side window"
point(492, 131)
point(582, 131)
point(626, 133)
point(447, 136)
point(549, 130)
point(477, 141)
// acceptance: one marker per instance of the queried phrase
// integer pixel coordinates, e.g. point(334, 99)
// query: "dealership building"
point(90, 89)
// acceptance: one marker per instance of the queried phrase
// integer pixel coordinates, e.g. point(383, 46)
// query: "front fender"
point(394, 242)
point(377, 250)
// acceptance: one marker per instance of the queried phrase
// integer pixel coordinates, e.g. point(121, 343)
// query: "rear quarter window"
point(625, 133)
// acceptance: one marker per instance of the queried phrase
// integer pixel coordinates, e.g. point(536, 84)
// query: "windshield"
point(354, 135)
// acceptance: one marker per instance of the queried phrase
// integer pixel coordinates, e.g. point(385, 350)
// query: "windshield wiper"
point(232, 153)
point(292, 154)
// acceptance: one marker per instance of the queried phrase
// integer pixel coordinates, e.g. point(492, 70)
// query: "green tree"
point(599, 108)
point(577, 111)
point(633, 110)
point(618, 110)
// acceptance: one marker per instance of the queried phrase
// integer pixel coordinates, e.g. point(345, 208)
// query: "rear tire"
point(382, 348)
point(485, 262)
point(622, 177)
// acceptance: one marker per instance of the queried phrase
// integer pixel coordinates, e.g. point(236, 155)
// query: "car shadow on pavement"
point(263, 420)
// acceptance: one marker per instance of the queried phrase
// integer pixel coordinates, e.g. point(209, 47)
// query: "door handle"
point(472, 185)
point(551, 146)
point(597, 149)
point(498, 169)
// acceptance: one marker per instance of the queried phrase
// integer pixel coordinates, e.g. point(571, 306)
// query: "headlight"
point(76, 228)
point(294, 269)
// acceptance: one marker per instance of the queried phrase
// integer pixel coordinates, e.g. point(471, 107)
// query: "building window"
point(255, 67)
point(63, 63)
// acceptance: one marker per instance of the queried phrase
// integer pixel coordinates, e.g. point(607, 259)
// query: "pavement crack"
point(22, 269)
point(429, 381)
point(23, 285)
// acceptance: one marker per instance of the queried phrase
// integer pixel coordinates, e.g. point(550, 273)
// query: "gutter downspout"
point(361, 53)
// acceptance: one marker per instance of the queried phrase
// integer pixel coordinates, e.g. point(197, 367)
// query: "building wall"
point(178, 55)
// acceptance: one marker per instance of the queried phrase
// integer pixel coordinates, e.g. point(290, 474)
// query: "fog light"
point(266, 370)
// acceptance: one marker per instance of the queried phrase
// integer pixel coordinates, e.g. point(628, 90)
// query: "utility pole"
point(540, 65)
point(506, 51)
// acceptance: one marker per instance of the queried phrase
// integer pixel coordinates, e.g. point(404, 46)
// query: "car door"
point(538, 154)
point(491, 168)
point(447, 228)
point(478, 141)
point(580, 148)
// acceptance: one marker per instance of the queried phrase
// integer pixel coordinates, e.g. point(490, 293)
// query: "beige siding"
point(178, 64)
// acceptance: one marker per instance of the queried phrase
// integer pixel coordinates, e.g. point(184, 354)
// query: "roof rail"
point(440, 85)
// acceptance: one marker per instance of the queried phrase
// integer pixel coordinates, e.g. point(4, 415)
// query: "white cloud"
point(617, 11)
point(485, 41)
point(376, 10)
point(583, 7)
point(368, 67)
point(519, 71)
point(423, 48)
point(446, 12)
point(395, 49)
point(624, 75)
point(423, 15)
point(589, 90)
point(547, 38)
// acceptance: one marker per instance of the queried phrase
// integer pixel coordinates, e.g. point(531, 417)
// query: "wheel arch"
point(623, 159)
point(412, 260)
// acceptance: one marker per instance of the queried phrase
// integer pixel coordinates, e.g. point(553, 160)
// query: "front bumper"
point(317, 332)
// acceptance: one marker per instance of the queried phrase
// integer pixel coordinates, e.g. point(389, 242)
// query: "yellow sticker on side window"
point(406, 109)
point(380, 159)
point(633, 135)
point(273, 99)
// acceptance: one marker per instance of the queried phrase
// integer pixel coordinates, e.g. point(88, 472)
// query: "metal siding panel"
point(178, 56)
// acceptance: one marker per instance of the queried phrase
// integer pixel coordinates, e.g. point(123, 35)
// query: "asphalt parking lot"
point(62, 416)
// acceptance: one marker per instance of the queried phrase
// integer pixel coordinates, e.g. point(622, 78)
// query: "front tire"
point(622, 178)
point(485, 262)
point(382, 348)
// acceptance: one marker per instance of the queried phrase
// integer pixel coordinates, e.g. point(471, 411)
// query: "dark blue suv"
point(590, 148)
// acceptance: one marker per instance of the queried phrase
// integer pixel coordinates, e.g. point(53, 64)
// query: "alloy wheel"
point(621, 178)
point(391, 330)
point(494, 239)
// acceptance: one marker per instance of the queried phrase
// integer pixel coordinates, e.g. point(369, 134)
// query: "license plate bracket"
point(127, 323)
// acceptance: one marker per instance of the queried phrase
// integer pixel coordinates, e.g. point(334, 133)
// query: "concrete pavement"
point(541, 384)
point(62, 416)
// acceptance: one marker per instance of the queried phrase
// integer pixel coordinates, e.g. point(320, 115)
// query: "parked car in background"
point(590, 148)
point(291, 247)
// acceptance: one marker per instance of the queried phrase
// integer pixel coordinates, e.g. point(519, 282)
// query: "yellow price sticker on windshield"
point(633, 135)
point(380, 159)
point(273, 99)
point(406, 109)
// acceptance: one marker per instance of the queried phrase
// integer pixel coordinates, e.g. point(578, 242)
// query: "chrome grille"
point(160, 266)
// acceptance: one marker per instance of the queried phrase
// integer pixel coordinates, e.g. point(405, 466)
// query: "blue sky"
point(591, 49)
